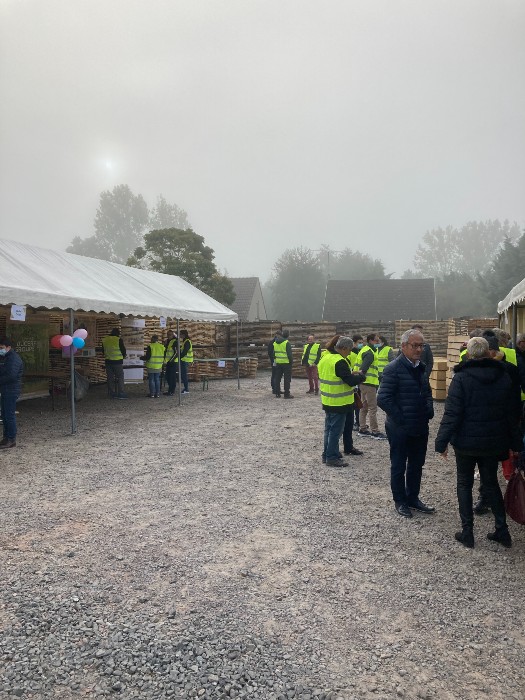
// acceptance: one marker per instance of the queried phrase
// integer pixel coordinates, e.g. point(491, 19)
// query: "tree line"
point(159, 239)
point(474, 266)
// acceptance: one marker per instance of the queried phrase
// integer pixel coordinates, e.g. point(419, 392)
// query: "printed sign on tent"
point(18, 313)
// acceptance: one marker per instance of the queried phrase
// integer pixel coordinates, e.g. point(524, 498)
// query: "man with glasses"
point(406, 398)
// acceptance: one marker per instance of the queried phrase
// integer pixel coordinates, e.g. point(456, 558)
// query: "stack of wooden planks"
point(455, 344)
point(438, 379)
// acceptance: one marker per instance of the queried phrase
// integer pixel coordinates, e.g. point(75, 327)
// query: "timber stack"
point(455, 345)
point(438, 379)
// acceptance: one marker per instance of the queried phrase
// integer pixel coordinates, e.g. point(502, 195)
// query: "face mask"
point(360, 345)
point(378, 345)
point(3, 352)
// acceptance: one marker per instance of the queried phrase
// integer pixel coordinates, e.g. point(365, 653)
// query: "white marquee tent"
point(51, 279)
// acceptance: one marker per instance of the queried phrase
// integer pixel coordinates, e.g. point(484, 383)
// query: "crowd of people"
point(482, 421)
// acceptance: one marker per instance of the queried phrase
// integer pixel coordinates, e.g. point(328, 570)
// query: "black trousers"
point(348, 439)
point(286, 372)
point(172, 371)
point(488, 473)
point(273, 379)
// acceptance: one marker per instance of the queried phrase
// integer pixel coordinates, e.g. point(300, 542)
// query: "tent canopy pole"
point(72, 382)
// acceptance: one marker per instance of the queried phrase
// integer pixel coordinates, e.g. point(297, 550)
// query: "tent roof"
point(55, 280)
point(515, 295)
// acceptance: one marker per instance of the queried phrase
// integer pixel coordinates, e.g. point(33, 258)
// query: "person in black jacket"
point(480, 423)
point(404, 394)
point(11, 370)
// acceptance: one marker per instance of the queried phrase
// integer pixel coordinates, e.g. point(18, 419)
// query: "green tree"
point(458, 294)
point(120, 222)
point(165, 215)
point(506, 270)
point(353, 265)
point(183, 253)
point(466, 250)
point(298, 286)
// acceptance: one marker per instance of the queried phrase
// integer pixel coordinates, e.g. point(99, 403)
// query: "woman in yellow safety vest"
point(154, 359)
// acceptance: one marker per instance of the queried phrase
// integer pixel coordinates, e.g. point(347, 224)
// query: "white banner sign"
point(18, 313)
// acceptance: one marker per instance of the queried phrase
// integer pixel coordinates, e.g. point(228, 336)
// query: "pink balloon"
point(80, 333)
point(65, 341)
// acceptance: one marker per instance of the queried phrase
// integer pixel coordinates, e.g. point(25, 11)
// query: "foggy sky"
point(274, 123)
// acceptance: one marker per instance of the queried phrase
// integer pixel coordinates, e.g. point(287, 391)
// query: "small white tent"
point(51, 279)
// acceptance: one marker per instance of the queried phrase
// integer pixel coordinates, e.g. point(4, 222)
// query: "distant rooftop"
point(246, 290)
point(379, 300)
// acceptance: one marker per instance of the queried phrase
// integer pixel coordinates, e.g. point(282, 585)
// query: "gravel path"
point(206, 552)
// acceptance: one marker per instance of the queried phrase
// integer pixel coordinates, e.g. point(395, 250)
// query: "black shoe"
point(168, 393)
point(288, 396)
point(3, 442)
point(364, 431)
point(7, 444)
point(354, 451)
point(421, 507)
point(480, 507)
point(466, 537)
point(277, 396)
point(502, 536)
point(336, 463)
point(310, 391)
point(403, 510)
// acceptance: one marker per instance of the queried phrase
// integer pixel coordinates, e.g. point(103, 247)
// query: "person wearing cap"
point(114, 354)
point(11, 370)
point(479, 423)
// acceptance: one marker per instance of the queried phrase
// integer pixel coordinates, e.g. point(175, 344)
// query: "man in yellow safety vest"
point(310, 360)
point(338, 384)
point(114, 354)
point(366, 363)
point(282, 358)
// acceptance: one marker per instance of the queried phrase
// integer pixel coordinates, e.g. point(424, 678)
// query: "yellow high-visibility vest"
point(334, 392)
point(111, 347)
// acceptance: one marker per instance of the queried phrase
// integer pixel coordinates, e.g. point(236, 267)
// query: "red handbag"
point(509, 465)
point(515, 493)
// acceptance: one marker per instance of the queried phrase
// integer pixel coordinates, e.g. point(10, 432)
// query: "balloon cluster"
point(74, 342)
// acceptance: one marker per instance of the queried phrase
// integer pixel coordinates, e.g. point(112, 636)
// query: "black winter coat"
point(405, 396)
point(479, 414)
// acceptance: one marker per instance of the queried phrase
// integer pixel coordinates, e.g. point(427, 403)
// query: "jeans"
point(184, 374)
point(333, 428)
point(313, 377)
point(348, 439)
point(407, 457)
point(369, 399)
point(154, 382)
point(286, 371)
point(274, 376)
point(8, 407)
point(488, 473)
point(115, 375)
point(172, 371)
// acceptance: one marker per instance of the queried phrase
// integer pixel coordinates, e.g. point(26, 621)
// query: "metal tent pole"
point(237, 358)
point(178, 362)
point(72, 383)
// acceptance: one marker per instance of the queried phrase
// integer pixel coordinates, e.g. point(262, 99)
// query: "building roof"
point(55, 280)
point(379, 300)
point(244, 288)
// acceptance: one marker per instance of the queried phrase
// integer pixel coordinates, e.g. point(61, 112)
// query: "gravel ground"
point(205, 551)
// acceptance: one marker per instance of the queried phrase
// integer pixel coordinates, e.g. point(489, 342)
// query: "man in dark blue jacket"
point(11, 370)
point(406, 398)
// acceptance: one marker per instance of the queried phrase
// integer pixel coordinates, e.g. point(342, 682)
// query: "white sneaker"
point(184, 392)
